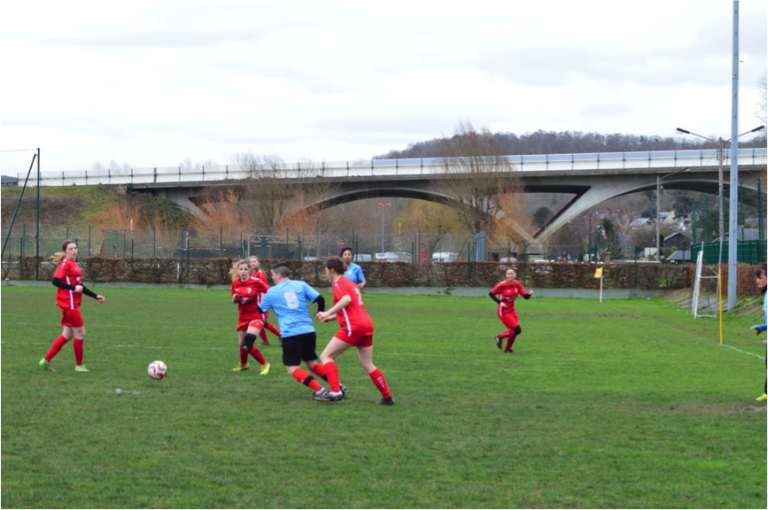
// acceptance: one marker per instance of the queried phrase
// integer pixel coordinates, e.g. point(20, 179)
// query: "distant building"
point(641, 222)
point(10, 181)
point(677, 240)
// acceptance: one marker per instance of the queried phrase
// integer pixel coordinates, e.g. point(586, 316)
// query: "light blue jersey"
point(289, 299)
point(354, 273)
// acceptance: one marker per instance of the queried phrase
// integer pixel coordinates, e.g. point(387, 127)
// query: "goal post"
point(705, 290)
point(13, 163)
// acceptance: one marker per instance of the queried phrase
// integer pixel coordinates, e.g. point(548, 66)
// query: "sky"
point(150, 84)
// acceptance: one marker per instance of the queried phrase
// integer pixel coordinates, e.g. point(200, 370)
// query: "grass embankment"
point(625, 404)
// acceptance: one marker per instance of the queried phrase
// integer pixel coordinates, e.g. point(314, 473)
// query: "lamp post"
point(589, 237)
point(382, 223)
point(658, 209)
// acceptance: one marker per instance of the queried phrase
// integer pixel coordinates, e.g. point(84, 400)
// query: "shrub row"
point(393, 274)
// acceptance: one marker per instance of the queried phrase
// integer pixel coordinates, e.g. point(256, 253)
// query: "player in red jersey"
point(256, 272)
point(245, 292)
point(69, 280)
point(356, 331)
point(505, 293)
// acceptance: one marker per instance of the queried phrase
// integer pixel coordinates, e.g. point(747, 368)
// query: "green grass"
point(624, 404)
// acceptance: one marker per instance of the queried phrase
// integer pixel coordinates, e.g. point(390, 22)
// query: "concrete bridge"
point(591, 178)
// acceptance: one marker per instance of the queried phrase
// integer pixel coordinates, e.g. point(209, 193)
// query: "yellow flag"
point(599, 272)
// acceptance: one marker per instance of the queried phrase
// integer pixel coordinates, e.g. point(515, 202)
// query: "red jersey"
point(352, 318)
point(507, 293)
point(69, 272)
point(260, 275)
point(250, 288)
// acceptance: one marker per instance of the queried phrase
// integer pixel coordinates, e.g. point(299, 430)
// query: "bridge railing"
point(614, 161)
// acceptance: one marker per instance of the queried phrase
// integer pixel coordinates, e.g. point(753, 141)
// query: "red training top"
point(261, 275)
point(507, 293)
point(352, 318)
point(250, 288)
point(69, 272)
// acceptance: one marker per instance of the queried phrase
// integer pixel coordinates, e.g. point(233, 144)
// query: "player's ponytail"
point(235, 265)
point(336, 265)
point(60, 255)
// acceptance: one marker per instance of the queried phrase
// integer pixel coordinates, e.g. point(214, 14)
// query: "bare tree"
point(476, 173)
point(434, 220)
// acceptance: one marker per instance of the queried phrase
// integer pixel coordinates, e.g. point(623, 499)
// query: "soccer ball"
point(157, 370)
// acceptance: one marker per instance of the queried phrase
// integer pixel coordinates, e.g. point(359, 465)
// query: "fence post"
point(21, 259)
point(154, 240)
point(469, 263)
point(188, 268)
point(221, 242)
point(412, 260)
point(741, 209)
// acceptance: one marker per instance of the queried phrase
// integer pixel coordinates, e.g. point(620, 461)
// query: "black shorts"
point(299, 348)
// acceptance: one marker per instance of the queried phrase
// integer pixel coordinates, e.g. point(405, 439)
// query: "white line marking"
point(745, 352)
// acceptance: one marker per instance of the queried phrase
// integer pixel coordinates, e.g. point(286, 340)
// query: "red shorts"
point(244, 324)
point(355, 339)
point(509, 319)
point(71, 317)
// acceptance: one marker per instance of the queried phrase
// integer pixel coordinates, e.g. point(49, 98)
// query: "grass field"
point(624, 404)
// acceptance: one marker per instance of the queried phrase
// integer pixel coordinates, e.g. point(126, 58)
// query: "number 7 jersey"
point(353, 318)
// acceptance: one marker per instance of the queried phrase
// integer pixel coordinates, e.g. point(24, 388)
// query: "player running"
point(762, 283)
point(353, 271)
point(356, 331)
point(245, 292)
point(69, 280)
point(256, 272)
point(289, 298)
point(505, 293)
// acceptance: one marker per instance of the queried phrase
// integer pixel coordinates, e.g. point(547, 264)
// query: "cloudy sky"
point(152, 83)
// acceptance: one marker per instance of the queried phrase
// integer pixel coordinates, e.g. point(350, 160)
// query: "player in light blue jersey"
point(290, 301)
point(353, 271)
point(761, 279)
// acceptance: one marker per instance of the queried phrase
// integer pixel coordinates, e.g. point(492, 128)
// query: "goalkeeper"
point(760, 275)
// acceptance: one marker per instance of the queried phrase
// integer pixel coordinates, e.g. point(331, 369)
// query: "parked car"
point(392, 256)
point(310, 259)
point(362, 257)
point(445, 256)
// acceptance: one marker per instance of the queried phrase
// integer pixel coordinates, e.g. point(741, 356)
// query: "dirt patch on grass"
point(714, 409)
point(585, 315)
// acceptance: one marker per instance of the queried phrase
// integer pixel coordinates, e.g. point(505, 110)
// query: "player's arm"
point(58, 282)
point(361, 278)
point(320, 300)
point(522, 292)
point(494, 297)
point(88, 292)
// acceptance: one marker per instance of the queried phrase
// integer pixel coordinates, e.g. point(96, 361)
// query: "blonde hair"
point(235, 266)
point(61, 255)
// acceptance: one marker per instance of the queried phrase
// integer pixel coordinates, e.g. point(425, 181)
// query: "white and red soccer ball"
point(157, 370)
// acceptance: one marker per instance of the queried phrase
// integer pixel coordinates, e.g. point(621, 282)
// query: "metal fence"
point(749, 252)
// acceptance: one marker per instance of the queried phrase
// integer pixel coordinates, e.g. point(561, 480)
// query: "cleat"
point(509, 352)
point(81, 368)
point(344, 391)
point(320, 394)
point(389, 401)
point(265, 369)
point(498, 342)
point(264, 344)
point(241, 368)
point(762, 398)
point(330, 396)
point(46, 365)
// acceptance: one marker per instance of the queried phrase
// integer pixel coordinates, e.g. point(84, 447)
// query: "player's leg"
point(764, 396)
point(510, 321)
point(254, 328)
point(243, 353)
point(264, 339)
point(77, 345)
point(365, 355)
point(334, 348)
point(292, 353)
point(66, 336)
point(310, 360)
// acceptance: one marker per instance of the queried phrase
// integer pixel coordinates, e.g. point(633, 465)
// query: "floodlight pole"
point(733, 219)
point(37, 233)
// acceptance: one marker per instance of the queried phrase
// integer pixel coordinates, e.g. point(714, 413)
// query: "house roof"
point(673, 235)
point(640, 222)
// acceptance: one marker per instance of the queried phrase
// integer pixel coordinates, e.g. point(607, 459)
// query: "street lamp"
point(382, 223)
point(720, 150)
point(658, 209)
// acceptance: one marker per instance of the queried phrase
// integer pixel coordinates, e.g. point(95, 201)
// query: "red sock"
point(78, 346)
point(332, 373)
point(263, 336)
point(306, 379)
point(243, 356)
point(319, 370)
point(510, 341)
point(378, 379)
point(256, 353)
point(55, 348)
point(504, 335)
point(272, 329)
